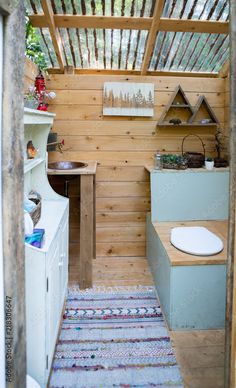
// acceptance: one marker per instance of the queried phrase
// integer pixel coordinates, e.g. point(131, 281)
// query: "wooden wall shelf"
point(179, 107)
point(202, 111)
point(190, 125)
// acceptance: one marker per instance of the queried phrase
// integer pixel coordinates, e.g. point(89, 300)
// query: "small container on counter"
point(158, 162)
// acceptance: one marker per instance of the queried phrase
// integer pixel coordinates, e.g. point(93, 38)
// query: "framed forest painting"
point(128, 99)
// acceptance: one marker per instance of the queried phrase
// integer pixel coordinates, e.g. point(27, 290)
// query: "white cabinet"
point(46, 269)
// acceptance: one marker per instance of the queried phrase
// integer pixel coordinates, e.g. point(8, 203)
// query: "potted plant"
point(35, 100)
point(31, 99)
point(220, 146)
point(209, 163)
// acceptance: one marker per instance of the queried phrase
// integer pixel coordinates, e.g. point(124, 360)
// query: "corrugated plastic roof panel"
point(96, 7)
point(197, 9)
point(89, 48)
point(178, 51)
point(96, 48)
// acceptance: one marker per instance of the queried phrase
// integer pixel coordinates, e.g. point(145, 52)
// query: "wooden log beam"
point(152, 35)
point(55, 36)
point(12, 181)
point(136, 72)
point(131, 23)
point(230, 325)
point(84, 21)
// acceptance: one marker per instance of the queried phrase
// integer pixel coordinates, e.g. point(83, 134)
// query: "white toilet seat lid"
point(196, 240)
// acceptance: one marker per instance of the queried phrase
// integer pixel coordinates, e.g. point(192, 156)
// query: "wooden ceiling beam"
point(152, 35)
point(131, 23)
point(202, 26)
point(136, 72)
point(106, 22)
point(55, 36)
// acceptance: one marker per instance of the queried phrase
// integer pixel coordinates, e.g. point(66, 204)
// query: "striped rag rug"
point(114, 338)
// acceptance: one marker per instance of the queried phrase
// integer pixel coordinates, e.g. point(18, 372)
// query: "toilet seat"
point(196, 240)
point(31, 383)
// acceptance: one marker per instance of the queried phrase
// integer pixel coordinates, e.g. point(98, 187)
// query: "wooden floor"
point(200, 355)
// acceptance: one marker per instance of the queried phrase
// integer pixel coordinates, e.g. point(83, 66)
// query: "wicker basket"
point(36, 213)
point(195, 159)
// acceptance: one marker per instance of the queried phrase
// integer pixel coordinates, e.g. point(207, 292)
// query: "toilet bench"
point(191, 288)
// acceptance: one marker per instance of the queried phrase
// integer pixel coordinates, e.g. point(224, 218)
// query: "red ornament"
point(43, 107)
point(40, 83)
point(40, 89)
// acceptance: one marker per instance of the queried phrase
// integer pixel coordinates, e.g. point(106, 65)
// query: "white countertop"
point(151, 169)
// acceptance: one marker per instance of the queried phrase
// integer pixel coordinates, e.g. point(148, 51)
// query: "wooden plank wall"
point(122, 146)
point(30, 72)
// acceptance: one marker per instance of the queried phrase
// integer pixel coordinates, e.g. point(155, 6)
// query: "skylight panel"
point(120, 49)
point(188, 52)
point(197, 9)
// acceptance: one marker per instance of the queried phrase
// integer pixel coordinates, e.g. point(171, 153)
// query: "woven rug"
point(114, 338)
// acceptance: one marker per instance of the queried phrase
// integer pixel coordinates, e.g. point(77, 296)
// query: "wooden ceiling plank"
point(202, 26)
point(55, 36)
point(152, 35)
point(132, 23)
point(94, 21)
point(136, 72)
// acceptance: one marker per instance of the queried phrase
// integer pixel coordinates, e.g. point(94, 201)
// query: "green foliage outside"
point(32, 46)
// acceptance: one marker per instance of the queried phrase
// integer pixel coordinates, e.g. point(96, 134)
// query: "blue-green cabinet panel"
point(189, 195)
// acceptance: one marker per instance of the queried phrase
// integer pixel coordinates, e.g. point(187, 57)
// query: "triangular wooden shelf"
point(203, 111)
point(178, 107)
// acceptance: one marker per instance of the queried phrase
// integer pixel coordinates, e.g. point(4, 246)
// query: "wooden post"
point(87, 230)
point(230, 301)
point(152, 35)
point(55, 36)
point(224, 71)
point(69, 70)
point(12, 194)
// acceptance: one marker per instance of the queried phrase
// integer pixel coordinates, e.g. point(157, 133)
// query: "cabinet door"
point(63, 260)
point(53, 298)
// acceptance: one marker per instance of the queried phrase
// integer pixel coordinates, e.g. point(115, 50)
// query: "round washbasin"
point(66, 165)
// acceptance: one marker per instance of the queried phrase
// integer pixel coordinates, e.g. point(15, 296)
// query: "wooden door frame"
point(12, 194)
point(2, 323)
point(231, 301)
point(12, 191)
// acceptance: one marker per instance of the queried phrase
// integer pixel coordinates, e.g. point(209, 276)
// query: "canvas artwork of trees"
point(128, 99)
